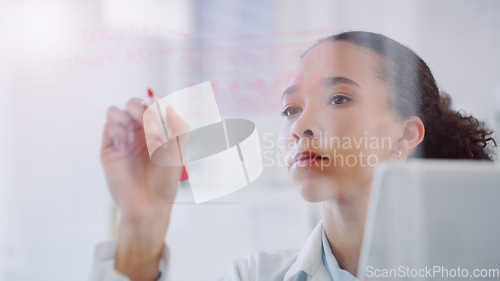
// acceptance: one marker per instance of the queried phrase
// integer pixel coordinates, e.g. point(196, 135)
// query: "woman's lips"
point(308, 159)
point(308, 162)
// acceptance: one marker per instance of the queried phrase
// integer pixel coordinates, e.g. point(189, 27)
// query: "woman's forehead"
point(336, 59)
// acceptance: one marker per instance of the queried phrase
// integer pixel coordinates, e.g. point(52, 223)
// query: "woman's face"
point(337, 124)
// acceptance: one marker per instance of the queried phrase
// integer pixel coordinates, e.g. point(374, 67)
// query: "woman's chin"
point(313, 191)
point(310, 183)
point(310, 197)
point(317, 186)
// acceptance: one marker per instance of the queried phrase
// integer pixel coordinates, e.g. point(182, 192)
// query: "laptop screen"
point(432, 220)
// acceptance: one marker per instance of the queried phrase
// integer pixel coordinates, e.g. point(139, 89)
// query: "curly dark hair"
point(413, 92)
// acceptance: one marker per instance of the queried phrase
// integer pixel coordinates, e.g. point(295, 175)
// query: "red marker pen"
point(153, 99)
point(151, 95)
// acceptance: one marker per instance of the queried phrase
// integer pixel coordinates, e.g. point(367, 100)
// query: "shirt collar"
point(331, 264)
point(329, 260)
point(309, 258)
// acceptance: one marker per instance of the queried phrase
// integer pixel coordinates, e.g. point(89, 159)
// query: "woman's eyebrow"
point(289, 90)
point(327, 82)
point(331, 81)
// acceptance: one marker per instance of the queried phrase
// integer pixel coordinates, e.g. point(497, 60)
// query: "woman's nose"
point(306, 126)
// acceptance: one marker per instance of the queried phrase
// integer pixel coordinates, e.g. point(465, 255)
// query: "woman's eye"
point(289, 111)
point(339, 99)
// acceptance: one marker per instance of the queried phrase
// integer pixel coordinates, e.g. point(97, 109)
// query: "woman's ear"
point(413, 135)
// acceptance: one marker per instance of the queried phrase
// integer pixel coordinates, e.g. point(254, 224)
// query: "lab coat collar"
point(309, 258)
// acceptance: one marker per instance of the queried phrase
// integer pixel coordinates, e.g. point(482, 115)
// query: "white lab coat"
point(285, 265)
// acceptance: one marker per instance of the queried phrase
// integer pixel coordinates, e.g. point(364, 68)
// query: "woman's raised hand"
point(143, 191)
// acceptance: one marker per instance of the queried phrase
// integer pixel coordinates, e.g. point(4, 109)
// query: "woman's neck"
point(344, 221)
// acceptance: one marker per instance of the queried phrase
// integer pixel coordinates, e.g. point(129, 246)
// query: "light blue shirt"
point(331, 265)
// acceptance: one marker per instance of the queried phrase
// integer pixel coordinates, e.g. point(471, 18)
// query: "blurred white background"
point(62, 63)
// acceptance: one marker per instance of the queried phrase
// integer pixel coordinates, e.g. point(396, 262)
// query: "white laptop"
point(433, 220)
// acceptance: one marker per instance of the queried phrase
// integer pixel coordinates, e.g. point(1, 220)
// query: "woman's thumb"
point(178, 129)
point(176, 126)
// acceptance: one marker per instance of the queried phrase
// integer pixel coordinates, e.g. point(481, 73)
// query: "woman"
point(347, 88)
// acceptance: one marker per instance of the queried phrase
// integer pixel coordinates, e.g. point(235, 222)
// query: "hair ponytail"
point(456, 135)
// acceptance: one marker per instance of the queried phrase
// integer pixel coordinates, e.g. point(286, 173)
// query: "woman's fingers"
point(114, 135)
point(135, 110)
point(116, 115)
point(124, 119)
point(122, 125)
